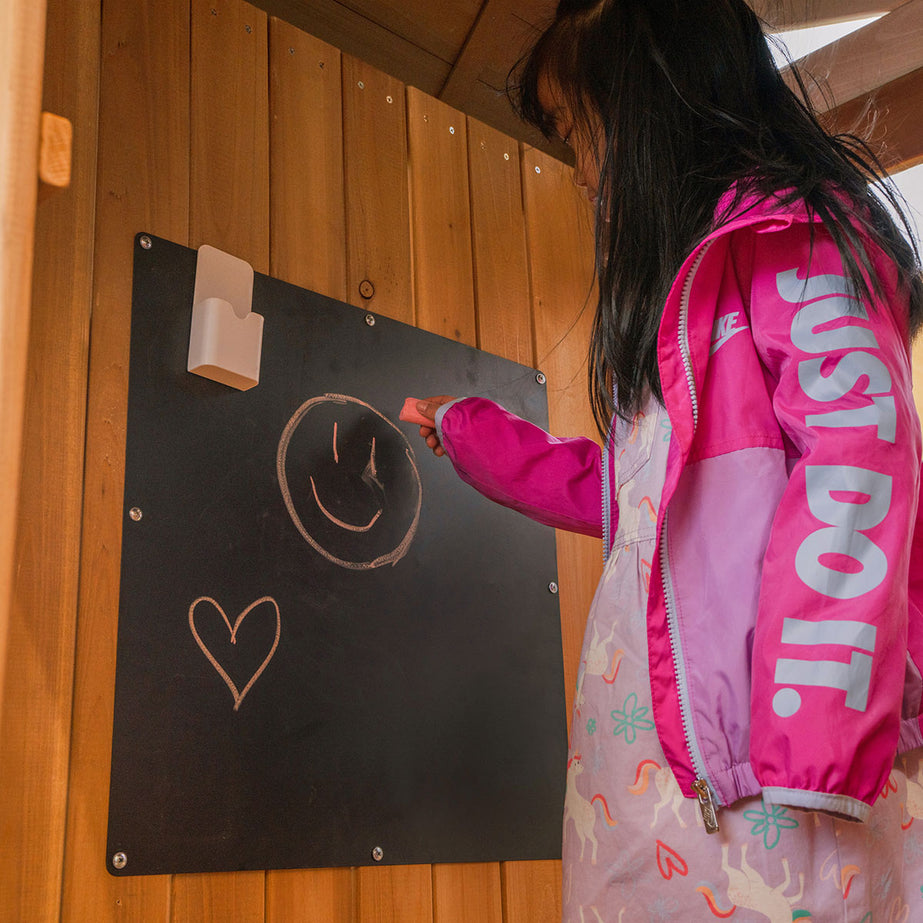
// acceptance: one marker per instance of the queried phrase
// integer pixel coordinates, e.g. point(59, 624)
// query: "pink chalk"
point(410, 414)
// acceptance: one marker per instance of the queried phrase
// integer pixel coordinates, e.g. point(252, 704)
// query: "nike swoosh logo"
point(718, 342)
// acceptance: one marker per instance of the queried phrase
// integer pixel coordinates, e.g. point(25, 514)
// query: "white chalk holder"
point(226, 338)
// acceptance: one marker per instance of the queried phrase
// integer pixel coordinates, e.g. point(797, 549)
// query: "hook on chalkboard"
point(226, 337)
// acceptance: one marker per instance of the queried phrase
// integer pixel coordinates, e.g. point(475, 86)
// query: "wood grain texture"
point(55, 152)
point(143, 184)
point(395, 894)
point(532, 891)
point(467, 893)
point(559, 234)
point(440, 218)
point(35, 728)
point(377, 204)
point(307, 199)
point(21, 62)
point(316, 894)
point(229, 206)
point(501, 268)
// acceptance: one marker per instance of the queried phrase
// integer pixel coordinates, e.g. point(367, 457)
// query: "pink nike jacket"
point(785, 634)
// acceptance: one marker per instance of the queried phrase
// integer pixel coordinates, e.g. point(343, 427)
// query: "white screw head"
point(119, 860)
point(378, 854)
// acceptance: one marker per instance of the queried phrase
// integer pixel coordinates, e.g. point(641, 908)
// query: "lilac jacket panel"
point(557, 482)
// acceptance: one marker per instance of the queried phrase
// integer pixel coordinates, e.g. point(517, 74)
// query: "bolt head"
point(552, 587)
point(370, 319)
point(146, 242)
point(378, 854)
point(119, 860)
point(540, 378)
point(135, 514)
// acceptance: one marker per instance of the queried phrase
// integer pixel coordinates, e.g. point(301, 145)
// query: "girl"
point(757, 495)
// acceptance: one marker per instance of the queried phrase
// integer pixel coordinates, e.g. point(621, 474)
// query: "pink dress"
point(634, 848)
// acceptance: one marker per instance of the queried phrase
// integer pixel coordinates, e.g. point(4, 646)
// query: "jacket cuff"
point(440, 413)
point(838, 805)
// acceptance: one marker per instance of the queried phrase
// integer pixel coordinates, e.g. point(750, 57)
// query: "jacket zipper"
point(703, 790)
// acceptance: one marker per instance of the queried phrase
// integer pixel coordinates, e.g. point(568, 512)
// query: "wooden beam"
point(365, 39)
point(889, 120)
point(861, 62)
point(800, 14)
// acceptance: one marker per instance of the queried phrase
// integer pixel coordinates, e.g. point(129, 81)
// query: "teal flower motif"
point(591, 727)
point(769, 821)
point(631, 718)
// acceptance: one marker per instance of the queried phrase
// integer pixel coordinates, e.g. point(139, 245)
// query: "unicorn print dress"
point(635, 849)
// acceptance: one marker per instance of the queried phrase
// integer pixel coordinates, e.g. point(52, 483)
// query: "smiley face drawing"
point(350, 482)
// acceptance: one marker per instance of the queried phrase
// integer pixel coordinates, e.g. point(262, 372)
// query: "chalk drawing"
point(238, 696)
point(369, 476)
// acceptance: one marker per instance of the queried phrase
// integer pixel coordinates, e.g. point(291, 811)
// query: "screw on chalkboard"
point(370, 319)
point(366, 289)
point(119, 861)
point(378, 854)
point(540, 378)
point(135, 514)
point(146, 242)
point(552, 587)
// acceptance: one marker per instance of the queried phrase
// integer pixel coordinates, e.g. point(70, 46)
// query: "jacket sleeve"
point(830, 644)
point(554, 481)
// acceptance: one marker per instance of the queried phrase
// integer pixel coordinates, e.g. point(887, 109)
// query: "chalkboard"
point(331, 651)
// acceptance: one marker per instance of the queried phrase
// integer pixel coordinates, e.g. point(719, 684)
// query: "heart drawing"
point(238, 696)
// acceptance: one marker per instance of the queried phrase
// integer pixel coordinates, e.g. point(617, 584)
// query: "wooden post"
point(22, 50)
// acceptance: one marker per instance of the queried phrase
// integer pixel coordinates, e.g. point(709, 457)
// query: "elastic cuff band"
point(840, 805)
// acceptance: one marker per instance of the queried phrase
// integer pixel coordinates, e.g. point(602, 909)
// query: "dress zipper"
point(700, 786)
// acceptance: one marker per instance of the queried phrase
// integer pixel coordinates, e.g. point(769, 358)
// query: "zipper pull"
point(706, 805)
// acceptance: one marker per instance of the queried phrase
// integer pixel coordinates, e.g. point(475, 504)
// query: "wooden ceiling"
point(460, 51)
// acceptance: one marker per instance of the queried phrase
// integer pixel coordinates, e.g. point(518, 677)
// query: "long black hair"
point(686, 101)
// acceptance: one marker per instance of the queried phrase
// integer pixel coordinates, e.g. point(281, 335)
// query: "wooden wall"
point(205, 121)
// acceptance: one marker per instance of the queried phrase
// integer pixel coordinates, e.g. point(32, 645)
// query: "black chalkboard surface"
point(331, 651)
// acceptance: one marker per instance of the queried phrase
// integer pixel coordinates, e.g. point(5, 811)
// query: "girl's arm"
point(830, 648)
point(554, 481)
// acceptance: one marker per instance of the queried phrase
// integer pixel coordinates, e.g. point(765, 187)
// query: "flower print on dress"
point(631, 718)
point(591, 727)
point(770, 821)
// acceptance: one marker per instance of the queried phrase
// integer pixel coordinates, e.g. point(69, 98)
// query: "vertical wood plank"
point(229, 209)
point(35, 730)
point(377, 209)
point(143, 184)
point(501, 271)
point(308, 238)
point(237, 896)
point(229, 192)
point(308, 212)
point(395, 894)
point(440, 218)
point(467, 893)
point(559, 234)
point(530, 890)
point(444, 304)
point(316, 894)
point(22, 55)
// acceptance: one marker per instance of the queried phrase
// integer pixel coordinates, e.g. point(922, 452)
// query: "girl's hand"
point(426, 415)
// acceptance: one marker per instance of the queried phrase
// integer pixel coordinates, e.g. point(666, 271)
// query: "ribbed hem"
point(839, 805)
point(440, 413)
